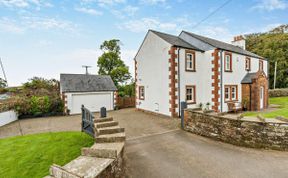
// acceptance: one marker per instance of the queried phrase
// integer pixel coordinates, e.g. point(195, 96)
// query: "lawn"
point(281, 111)
point(31, 156)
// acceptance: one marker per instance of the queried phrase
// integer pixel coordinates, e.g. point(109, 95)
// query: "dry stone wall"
point(239, 132)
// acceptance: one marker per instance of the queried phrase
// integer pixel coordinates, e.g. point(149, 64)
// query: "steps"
point(105, 124)
point(109, 143)
point(109, 130)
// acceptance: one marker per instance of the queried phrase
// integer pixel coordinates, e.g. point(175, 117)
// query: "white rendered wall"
point(239, 72)
point(7, 117)
point(201, 78)
point(153, 73)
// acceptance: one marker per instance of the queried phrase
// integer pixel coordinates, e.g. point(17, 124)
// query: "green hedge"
point(278, 92)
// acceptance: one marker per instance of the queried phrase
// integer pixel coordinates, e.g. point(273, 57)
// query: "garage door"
point(92, 101)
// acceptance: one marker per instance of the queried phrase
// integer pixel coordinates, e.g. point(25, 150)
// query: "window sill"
point(228, 71)
point(228, 101)
point(190, 70)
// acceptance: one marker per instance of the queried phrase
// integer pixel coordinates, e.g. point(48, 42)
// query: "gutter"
point(178, 73)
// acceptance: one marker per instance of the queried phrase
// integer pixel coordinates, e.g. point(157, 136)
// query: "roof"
point(86, 83)
point(175, 40)
point(248, 78)
point(223, 45)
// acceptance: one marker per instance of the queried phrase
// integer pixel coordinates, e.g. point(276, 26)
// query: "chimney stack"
point(239, 41)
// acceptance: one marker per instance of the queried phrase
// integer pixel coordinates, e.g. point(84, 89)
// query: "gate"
point(87, 121)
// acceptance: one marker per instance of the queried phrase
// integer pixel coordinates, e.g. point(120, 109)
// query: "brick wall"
point(173, 92)
point(238, 132)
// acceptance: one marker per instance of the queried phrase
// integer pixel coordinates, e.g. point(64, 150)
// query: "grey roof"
point(175, 40)
point(86, 83)
point(223, 45)
point(248, 78)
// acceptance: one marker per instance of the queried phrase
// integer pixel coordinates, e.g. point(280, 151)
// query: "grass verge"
point(31, 155)
point(281, 111)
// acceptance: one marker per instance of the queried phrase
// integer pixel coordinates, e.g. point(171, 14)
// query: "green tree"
point(3, 83)
point(110, 63)
point(272, 45)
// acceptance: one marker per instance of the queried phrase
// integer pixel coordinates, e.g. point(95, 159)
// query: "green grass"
point(31, 156)
point(281, 111)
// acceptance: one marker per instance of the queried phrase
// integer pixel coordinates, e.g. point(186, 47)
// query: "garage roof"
point(86, 83)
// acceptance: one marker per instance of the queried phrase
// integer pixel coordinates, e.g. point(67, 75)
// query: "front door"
point(261, 97)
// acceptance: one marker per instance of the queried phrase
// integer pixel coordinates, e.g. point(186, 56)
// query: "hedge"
point(278, 92)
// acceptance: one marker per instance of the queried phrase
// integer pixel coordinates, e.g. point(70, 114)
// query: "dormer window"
point(190, 61)
point(228, 62)
point(248, 64)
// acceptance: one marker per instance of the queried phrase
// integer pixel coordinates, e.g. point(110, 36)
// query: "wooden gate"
point(125, 102)
point(87, 121)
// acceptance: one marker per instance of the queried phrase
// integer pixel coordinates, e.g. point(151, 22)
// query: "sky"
point(47, 37)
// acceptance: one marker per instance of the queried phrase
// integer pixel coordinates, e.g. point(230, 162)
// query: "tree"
point(110, 63)
point(272, 45)
point(3, 83)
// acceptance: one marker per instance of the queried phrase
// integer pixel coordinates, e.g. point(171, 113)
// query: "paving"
point(156, 147)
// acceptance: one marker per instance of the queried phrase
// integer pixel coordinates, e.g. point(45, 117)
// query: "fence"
point(87, 121)
point(125, 102)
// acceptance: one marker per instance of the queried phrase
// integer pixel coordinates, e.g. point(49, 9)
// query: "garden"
point(31, 155)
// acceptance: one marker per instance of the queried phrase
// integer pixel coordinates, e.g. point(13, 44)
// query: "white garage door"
point(92, 101)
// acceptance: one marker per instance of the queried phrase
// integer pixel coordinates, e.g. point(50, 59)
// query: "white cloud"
point(28, 23)
point(25, 3)
point(8, 25)
point(270, 5)
point(88, 11)
point(153, 2)
point(144, 24)
point(128, 11)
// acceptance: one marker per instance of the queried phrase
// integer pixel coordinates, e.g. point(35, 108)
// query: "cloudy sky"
point(47, 37)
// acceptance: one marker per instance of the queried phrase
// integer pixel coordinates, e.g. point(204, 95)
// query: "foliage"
point(31, 155)
point(281, 111)
point(110, 63)
point(39, 83)
point(273, 46)
point(278, 92)
point(3, 83)
point(37, 97)
point(127, 90)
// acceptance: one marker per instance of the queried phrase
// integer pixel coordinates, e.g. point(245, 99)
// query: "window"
point(190, 61)
point(228, 62)
point(190, 94)
point(260, 65)
point(141, 92)
point(231, 92)
point(248, 64)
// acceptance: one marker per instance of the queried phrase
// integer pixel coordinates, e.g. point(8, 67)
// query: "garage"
point(92, 91)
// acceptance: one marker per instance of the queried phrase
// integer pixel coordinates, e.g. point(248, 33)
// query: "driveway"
point(157, 148)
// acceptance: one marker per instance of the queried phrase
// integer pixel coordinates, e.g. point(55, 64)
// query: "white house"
point(171, 69)
point(92, 91)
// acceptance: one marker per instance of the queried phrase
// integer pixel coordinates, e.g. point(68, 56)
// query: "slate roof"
point(86, 83)
point(248, 78)
point(175, 40)
point(223, 45)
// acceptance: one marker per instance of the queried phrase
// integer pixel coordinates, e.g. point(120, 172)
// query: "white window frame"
point(190, 61)
point(141, 92)
point(192, 88)
point(228, 62)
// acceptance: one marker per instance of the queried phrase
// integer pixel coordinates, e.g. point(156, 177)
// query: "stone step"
point(81, 167)
point(117, 137)
point(109, 130)
point(105, 124)
point(103, 150)
point(105, 119)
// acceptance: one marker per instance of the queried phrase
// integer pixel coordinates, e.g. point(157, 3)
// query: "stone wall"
point(238, 132)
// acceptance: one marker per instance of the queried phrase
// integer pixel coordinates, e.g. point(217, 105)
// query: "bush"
point(278, 92)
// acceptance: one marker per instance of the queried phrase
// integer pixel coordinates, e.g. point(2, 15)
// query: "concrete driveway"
point(156, 147)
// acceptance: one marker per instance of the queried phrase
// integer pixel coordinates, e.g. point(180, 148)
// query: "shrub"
point(278, 92)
